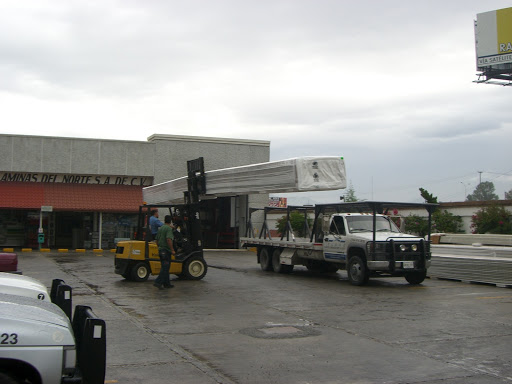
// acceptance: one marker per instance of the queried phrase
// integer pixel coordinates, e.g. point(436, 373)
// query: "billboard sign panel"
point(278, 202)
point(493, 36)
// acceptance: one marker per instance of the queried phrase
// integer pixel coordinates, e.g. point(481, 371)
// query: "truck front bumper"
point(399, 265)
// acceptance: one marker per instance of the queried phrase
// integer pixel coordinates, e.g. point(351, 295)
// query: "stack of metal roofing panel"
point(292, 175)
point(479, 264)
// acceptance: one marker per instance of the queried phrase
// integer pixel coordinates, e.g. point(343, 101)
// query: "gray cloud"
point(385, 84)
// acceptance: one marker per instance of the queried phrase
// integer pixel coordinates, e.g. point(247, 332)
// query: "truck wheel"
point(6, 378)
point(415, 278)
point(265, 259)
point(276, 263)
point(194, 268)
point(357, 271)
point(140, 272)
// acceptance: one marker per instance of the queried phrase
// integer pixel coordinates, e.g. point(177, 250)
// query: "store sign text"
point(143, 181)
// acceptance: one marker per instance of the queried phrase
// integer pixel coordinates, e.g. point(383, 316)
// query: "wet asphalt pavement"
point(242, 325)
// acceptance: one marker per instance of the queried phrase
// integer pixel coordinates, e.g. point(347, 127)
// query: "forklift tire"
point(140, 272)
point(194, 268)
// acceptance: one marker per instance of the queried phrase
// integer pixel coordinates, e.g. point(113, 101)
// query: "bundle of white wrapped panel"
point(479, 264)
point(292, 175)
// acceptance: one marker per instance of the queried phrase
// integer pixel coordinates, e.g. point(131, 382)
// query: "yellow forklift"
point(138, 258)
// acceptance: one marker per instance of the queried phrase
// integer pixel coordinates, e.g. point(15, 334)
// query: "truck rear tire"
point(276, 263)
point(140, 272)
point(415, 278)
point(194, 268)
point(357, 271)
point(265, 259)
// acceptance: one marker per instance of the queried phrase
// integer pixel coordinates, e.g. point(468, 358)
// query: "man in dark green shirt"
point(164, 239)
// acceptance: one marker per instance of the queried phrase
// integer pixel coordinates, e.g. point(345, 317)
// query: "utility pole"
point(465, 192)
point(480, 172)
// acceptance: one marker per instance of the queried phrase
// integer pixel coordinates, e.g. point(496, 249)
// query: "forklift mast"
point(185, 215)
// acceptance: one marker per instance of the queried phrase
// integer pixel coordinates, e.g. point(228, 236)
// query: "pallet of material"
point(490, 265)
point(293, 175)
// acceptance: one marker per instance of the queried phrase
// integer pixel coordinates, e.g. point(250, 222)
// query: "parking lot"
point(242, 325)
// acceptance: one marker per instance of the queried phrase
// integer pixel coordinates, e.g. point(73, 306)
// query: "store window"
point(116, 227)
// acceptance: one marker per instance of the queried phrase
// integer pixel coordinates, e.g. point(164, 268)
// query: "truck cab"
point(37, 342)
point(374, 245)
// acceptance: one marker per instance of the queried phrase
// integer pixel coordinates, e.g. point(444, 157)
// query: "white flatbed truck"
point(359, 237)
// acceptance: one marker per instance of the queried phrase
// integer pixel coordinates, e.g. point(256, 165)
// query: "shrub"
point(446, 222)
point(442, 221)
point(492, 219)
point(416, 225)
point(296, 221)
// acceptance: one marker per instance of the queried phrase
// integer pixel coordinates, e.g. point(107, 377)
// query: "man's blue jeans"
point(165, 260)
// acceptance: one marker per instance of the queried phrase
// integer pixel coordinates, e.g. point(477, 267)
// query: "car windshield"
point(365, 224)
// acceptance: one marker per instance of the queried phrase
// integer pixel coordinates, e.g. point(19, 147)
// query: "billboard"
point(278, 202)
point(493, 37)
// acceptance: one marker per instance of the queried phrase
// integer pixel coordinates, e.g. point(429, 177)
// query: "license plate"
point(408, 264)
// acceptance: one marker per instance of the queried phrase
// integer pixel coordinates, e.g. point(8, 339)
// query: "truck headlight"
point(414, 247)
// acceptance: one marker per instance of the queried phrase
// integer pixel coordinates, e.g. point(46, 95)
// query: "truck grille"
point(409, 251)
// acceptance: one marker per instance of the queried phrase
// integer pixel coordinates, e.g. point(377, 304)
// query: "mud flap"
point(286, 256)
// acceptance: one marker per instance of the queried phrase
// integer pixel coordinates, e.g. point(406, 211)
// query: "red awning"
point(71, 197)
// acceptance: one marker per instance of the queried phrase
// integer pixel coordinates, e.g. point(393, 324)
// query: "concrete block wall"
point(162, 156)
point(74, 155)
point(172, 153)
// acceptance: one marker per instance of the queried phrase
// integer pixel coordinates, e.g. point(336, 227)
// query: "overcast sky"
point(388, 85)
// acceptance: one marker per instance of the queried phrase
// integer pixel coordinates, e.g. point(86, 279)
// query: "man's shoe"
point(168, 286)
point(159, 286)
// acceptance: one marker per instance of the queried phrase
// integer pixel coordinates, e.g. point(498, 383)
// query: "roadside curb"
point(59, 250)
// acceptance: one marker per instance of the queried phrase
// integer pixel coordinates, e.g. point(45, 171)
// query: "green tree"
point(350, 195)
point(492, 219)
point(296, 221)
point(508, 195)
point(429, 198)
point(442, 220)
point(483, 192)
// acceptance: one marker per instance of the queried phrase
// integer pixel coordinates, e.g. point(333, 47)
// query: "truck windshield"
point(365, 224)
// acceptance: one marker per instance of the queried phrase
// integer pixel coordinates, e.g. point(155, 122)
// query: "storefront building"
point(85, 193)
